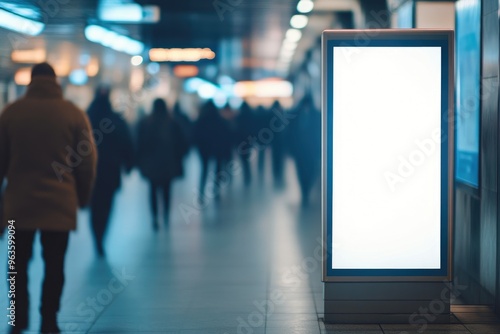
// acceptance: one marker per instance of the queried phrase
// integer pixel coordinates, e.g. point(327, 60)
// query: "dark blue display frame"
point(411, 40)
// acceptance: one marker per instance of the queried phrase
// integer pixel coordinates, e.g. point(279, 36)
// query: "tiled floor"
point(247, 264)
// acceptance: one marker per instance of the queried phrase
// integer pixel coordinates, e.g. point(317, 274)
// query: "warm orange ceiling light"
point(92, 67)
point(33, 56)
point(23, 76)
point(185, 71)
point(272, 88)
point(178, 54)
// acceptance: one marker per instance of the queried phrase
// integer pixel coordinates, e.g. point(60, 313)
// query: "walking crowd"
point(55, 159)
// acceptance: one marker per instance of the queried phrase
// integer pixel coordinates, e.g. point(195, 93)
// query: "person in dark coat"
point(262, 120)
point(185, 124)
point(278, 149)
point(161, 148)
point(213, 137)
point(115, 147)
point(48, 157)
point(245, 127)
point(305, 145)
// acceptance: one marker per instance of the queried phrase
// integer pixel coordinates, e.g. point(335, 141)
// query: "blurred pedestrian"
point(263, 118)
point(48, 155)
point(213, 137)
point(161, 149)
point(278, 149)
point(185, 124)
point(116, 154)
point(245, 127)
point(305, 145)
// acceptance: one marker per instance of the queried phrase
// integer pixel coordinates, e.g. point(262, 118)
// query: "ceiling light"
point(25, 10)
point(113, 40)
point(178, 54)
point(128, 13)
point(136, 60)
point(185, 71)
point(78, 77)
point(220, 100)
point(153, 68)
point(20, 24)
point(207, 90)
point(191, 85)
point(298, 21)
point(92, 67)
point(293, 35)
point(289, 46)
point(131, 12)
point(33, 56)
point(287, 53)
point(23, 76)
point(264, 88)
point(305, 6)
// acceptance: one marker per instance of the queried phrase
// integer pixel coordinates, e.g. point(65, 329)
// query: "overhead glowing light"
point(220, 99)
point(78, 77)
point(22, 77)
point(178, 54)
point(136, 60)
point(207, 90)
point(289, 46)
point(264, 88)
point(235, 102)
point(305, 6)
point(287, 53)
point(228, 89)
point(113, 40)
point(293, 35)
point(185, 71)
point(136, 79)
point(128, 13)
point(84, 59)
point(62, 68)
point(25, 10)
point(20, 24)
point(33, 56)
point(298, 21)
point(92, 67)
point(225, 80)
point(191, 85)
point(153, 68)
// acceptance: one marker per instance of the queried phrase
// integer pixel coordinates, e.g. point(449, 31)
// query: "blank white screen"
point(386, 103)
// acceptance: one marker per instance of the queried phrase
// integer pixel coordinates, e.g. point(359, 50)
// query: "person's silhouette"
point(161, 149)
point(49, 161)
point(114, 144)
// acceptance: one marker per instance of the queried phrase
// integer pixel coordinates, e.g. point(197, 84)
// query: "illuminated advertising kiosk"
point(388, 144)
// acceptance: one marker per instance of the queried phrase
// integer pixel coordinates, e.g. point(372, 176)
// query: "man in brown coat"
point(48, 157)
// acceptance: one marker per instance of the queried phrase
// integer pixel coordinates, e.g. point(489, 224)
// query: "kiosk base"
point(415, 303)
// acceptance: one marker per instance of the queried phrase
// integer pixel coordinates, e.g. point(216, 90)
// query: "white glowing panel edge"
point(386, 158)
